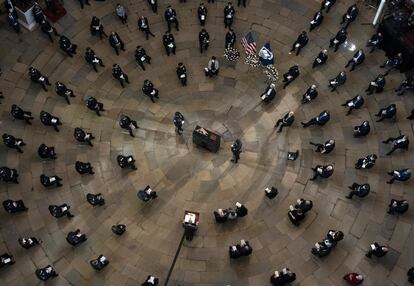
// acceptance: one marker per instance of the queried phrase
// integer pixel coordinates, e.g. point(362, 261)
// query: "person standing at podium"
point(236, 150)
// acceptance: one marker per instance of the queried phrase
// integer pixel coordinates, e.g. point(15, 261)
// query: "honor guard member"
point(388, 112)
point(377, 85)
point(13, 22)
point(300, 42)
point(20, 114)
point(324, 148)
point(116, 42)
point(121, 13)
point(204, 40)
point(286, 121)
point(49, 120)
point(228, 15)
point(149, 90)
point(97, 28)
point(236, 150)
point(310, 94)
point(319, 120)
point(127, 123)
point(350, 15)
point(182, 74)
point(316, 21)
point(339, 80)
point(362, 130)
point(92, 59)
point(393, 63)
point(48, 181)
point(357, 59)
point(14, 143)
point(93, 104)
point(126, 162)
point(291, 75)
point(169, 43)
point(118, 74)
point(66, 46)
point(339, 39)
point(83, 137)
point(178, 121)
point(141, 57)
point(212, 68)
point(327, 4)
point(154, 5)
point(48, 29)
point(143, 25)
point(354, 103)
point(202, 14)
point(320, 59)
point(170, 16)
point(36, 77)
point(375, 41)
point(230, 39)
point(63, 91)
point(400, 142)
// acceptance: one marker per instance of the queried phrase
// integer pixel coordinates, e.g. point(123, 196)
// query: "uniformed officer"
point(92, 59)
point(182, 73)
point(300, 42)
point(141, 57)
point(178, 121)
point(204, 40)
point(228, 15)
point(357, 59)
point(321, 58)
point(339, 39)
point(310, 94)
point(230, 39)
point(37, 77)
point(118, 74)
point(291, 75)
point(170, 16)
point(169, 43)
point(97, 27)
point(149, 90)
point(21, 114)
point(49, 120)
point(83, 136)
point(400, 142)
point(354, 103)
point(339, 80)
point(13, 142)
point(202, 14)
point(376, 85)
point(143, 25)
point(66, 46)
point(63, 91)
point(93, 104)
point(116, 42)
point(286, 121)
point(319, 120)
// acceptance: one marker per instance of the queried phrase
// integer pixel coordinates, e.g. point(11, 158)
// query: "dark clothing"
point(141, 57)
point(154, 5)
point(38, 13)
point(286, 121)
point(269, 94)
point(320, 120)
point(8, 175)
point(118, 74)
point(399, 175)
point(339, 80)
point(92, 59)
point(375, 41)
point(178, 122)
point(48, 29)
point(12, 142)
point(354, 103)
point(127, 123)
point(116, 42)
point(400, 142)
point(321, 171)
point(20, 114)
point(204, 39)
point(291, 75)
point(126, 162)
point(37, 77)
point(392, 63)
point(13, 22)
point(327, 4)
point(240, 1)
point(149, 90)
point(320, 59)
point(170, 16)
point(366, 163)
point(46, 152)
point(316, 21)
point(300, 42)
point(143, 25)
point(182, 74)
point(310, 94)
point(230, 40)
point(236, 150)
point(387, 112)
point(169, 43)
point(82, 136)
point(360, 191)
point(66, 46)
point(47, 181)
point(84, 168)
point(49, 120)
point(325, 148)
point(362, 130)
point(202, 15)
point(63, 91)
point(358, 59)
point(350, 15)
point(338, 40)
point(97, 28)
point(377, 85)
point(376, 250)
point(94, 105)
point(398, 206)
point(228, 16)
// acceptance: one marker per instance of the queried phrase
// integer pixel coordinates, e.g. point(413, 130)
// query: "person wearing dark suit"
point(125, 122)
point(13, 22)
point(83, 136)
point(399, 175)
point(150, 281)
point(310, 94)
point(149, 90)
point(38, 13)
point(121, 13)
point(63, 91)
point(410, 275)
point(170, 15)
point(48, 29)
point(375, 41)
point(169, 43)
point(367, 162)
point(118, 74)
point(92, 59)
point(9, 175)
point(182, 74)
point(141, 57)
point(143, 25)
point(398, 206)
point(281, 278)
point(393, 62)
point(407, 84)
point(93, 104)
point(60, 211)
point(154, 5)
point(21, 114)
point(236, 149)
point(116, 42)
point(48, 181)
point(316, 21)
point(46, 152)
point(269, 94)
point(357, 59)
point(319, 120)
point(286, 121)
point(377, 250)
point(178, 121)
point(84, 168)
point(388, 112)
point(202, 14)
point(291, 75)
point(323, 171)
point(228, 15)
point(300, 42)
point(67, 46)
point(324, 148)
point(350, 15)
point(49, 120)
point(320, 59)
point(377, 85)
point(362, 130)
point(327, 4)
point(339, 80)
point(358, 190)
point(400, 142)
point(97, 27)
point(230, 39)
point(339, 39)
point(12, 142)
point(354, 103)
point(204, 40)
point(37, 77)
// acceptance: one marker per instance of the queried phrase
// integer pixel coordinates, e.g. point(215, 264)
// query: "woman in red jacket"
point(354, 278)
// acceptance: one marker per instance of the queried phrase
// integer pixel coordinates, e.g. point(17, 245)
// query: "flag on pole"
point(249, 44)
point(266, 56)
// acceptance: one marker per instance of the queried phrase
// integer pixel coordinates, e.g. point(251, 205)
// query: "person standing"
point(236, 150)
point(84, 2)
point(92, 59)
point(143, 25)
point(228, 15)
point(141, 57)
point(202, 14)
point(230, 39)
point(178, 121)
point(154, 5)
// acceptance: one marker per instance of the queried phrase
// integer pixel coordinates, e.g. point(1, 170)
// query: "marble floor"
point(188, 178)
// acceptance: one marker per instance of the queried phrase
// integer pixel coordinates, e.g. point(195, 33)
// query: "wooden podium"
point(206, 139)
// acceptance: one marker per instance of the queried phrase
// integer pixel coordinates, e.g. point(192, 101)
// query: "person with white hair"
point(212, 68)
point(310, 94)
point(286, 121)
point(321, 58)
point(269, 94)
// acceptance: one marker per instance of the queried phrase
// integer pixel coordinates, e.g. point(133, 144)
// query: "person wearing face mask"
point(269, 94)
point(323, 171)
point(212, 68)
point(339, 39)
point(316, 21)
point(319, 120)
point(321, 58)
point(336, 82)
point(14, 143)
point(202, 14)
point(116, 42)
point(324, 148)
point(286, 121)
point(170, 17)
point(300, 42)
point(354, 103)
point(228, 15)
point(377, 85)
point(143, 25)
point(92, 59)
point(310, 94)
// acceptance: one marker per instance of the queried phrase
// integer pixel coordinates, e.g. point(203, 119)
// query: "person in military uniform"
point(202, 14)
point(37, 77)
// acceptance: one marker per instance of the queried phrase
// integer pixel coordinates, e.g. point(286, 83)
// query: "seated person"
point(325, 148)
point(323, 171)
point(339, 80)
point(291, 75)
point(100, 263)
point(220, 215)
point(150, 281)
point(335, 235)
point(83, 137)
point(377, 250)
point(410, 274)
point(6, 259)
point(21, 114)
point(28, 242)
point(358, 190)
point(245, 248)
point(46, 152)
point(13, 142)
point(234, 251)
point(387, 113)
point(84, 168)
point(362, 130)
point(14, 206)
point(147, 194)
point(95, 199)
point(321, 58)
point(286, 121)
point(354, 103)
point(190, 226)
point(212, 68)
point(296, 215)
point(271, 193)
point(46, 273)
point(126, 162)
point(310, 94)
point(119, 229)
point(375, 41)
point(400, 142)
point(407, 84)
point(269, 94)
point(377, 85)
point(60, 211)
point(304, 205)
point(319, 120)
point(281, 278)
point(76, 237)
point(354, 278)
point(366, 163)
point(241, 210)
point(398, 206)
point(399, 175)
point(49, 120)
point(8, 175)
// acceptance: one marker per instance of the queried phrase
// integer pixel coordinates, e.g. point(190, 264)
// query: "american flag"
point(249, 44)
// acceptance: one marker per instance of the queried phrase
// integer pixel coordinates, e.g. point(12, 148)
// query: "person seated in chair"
point(304, 205)
point(37, 77)
point(63, 91)
point(350, 15)
point(325, 148)
point(6, 259)
point(60, 211)
point(245, 248)
point(150, 281)
point(119, 75)
point(283, 277)
point(354, 103)
point(323, 171)
point(48, 181)
point(296, 215)
point(181, 72)
point(388, 112)
point(400, 142)
point(96, 27)
point(83, 137)
point(149, 90)
point(310, 94)
point(234, 251)
point(300, 42)
point(169, 43)
point(93, 104)
point(393, 62)
point(28, 242)
point(319, 120)
point(49, 120)
point(399, 175)
point(95, 199)
point(212, 68)
point(147, 194)
point(14, 206)
point(407, 84)
point(377, 250)
point(339, 39)
point(327, 4)
point(99, 263)
point(84, 168)
point(13, 142)
point(116, 42)
point(291, 75)
point(375, 41)
point(20, 114)
point(398, 206)
point(75, 238)
point(66, 45)
point(358, 190)
point(321, 58)
point(377, 85)
point(8, 175)
point(46, 273)
point(92, 59)
point(362, 130)
point(271, 193)
point(269, 94)
point(286, 121)
point(125, 122)
point(119, 229)
point(46, 152)
point(367, 162)
point(241, 210)
point(316, 21)
point(141, 57)
point(339, 80)
point(126, 162)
